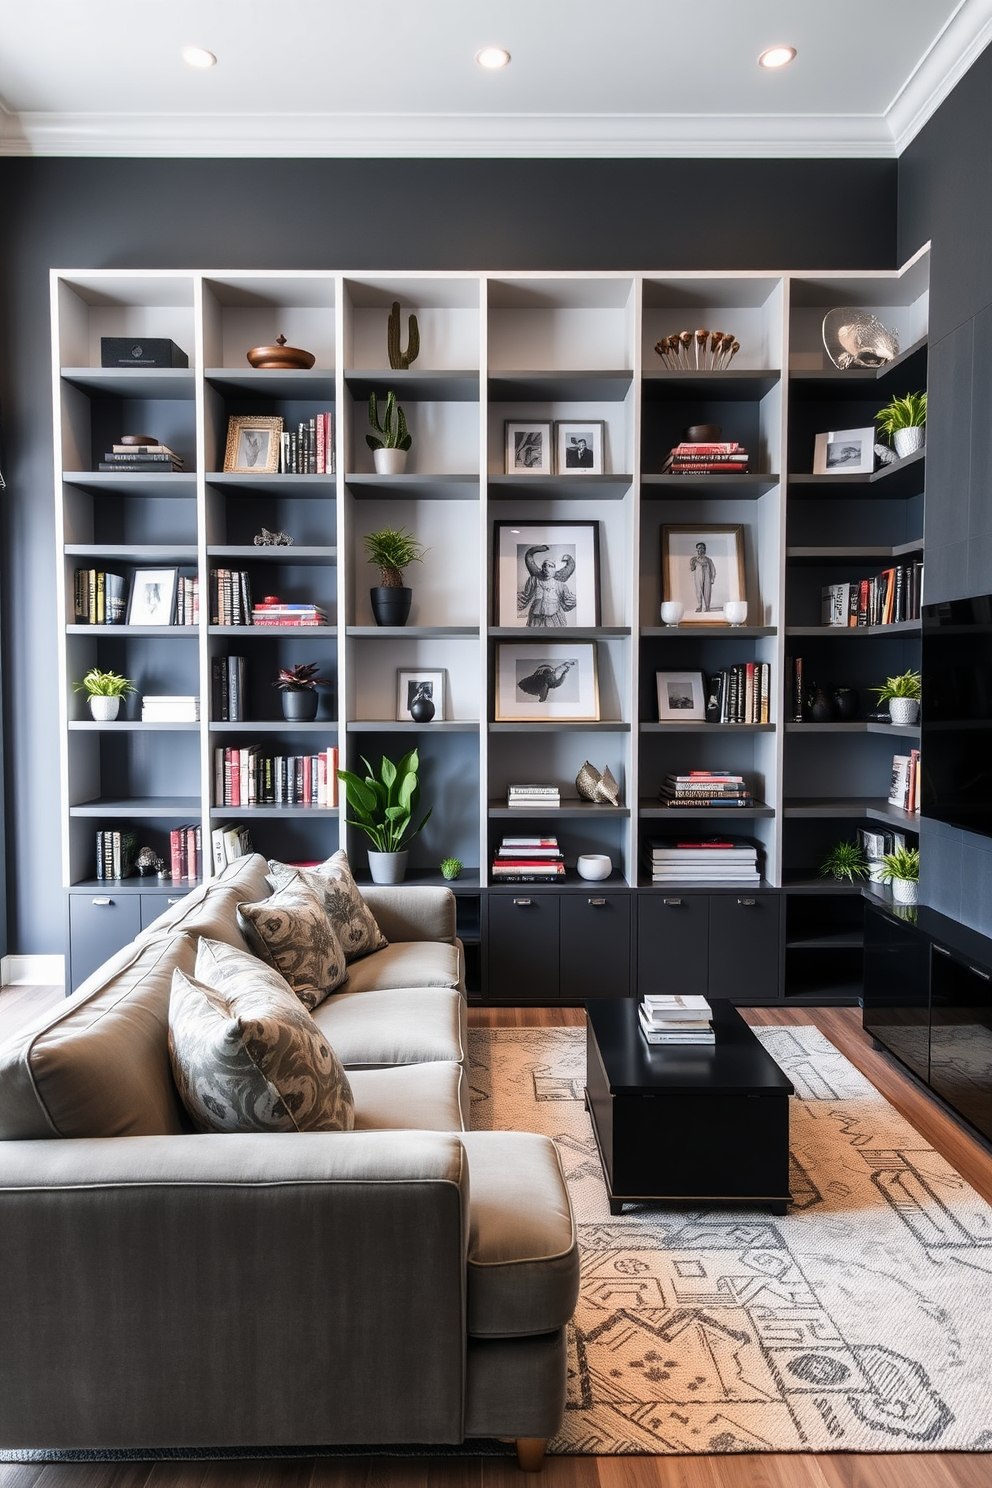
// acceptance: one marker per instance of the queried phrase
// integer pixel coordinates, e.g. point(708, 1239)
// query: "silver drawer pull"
point(173, 901)
point(980, 973)
point(522, 901)
point(103, 901)
point(671, 901)
point(747, 901)
point(597, 901)
point(940, 951)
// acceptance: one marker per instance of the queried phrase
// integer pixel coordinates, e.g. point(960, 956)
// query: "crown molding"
point(962, 40)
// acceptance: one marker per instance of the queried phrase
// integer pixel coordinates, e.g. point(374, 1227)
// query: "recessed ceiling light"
point(198, 57)
point(492, 57)
point(776, 56)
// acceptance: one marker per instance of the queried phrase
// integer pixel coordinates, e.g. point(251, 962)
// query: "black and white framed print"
point(681, 697)
point(555, 683)
point(579, 446)
point(529, 448)
point(845, 452)
point(546, 575)
point(153, 596)
point(419, 697)
point(703, 567)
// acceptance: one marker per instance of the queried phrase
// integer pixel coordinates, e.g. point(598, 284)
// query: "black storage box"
point(132, 351)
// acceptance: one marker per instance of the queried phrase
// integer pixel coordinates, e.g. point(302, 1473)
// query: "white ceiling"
point(397, 77)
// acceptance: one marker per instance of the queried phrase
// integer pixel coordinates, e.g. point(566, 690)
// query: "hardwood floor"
point(786, 1470)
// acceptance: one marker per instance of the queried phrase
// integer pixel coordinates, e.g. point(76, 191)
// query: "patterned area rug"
point(860, 1322)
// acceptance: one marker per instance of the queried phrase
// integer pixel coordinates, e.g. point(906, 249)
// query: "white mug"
point(672, 611)
point(735, 611)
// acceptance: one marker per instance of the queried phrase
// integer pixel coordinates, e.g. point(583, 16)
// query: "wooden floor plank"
point(22, 1004)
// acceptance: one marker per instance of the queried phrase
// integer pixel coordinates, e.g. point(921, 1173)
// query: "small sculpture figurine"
point(593, 786)
point(267, 539)
point(698, 351)
point(148, 861)
point(400, 360)
point(855, 338)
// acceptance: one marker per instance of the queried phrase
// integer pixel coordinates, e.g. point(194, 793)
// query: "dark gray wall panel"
point(948, 464)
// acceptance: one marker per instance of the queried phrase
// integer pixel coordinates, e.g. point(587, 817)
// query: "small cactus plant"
point(451, 867)
point(400, 360)
point(392, 433)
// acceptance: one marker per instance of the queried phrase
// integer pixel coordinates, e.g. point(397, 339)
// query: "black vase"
point(422, 710)
point(300, 706)
point(821, 709)
point(846, 703)
point(391, 606)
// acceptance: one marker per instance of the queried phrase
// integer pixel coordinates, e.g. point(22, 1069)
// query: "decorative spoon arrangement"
point(698, 351)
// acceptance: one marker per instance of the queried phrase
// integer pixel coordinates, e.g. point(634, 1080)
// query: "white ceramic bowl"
point(594, 865)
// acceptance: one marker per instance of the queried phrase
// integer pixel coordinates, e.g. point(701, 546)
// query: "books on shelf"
point(725, 457)
point(272, 612)
point(702, 860)
point(230, 597)
point(248, 777)
point(153, 459)
point(705, 788)
point(676, 1018)
point(188, 597)
point(163, 708)
point(904, 786)
point(99, 598)
point(229, 842)
point(309, 449)
point(533, 797)
point(740, 694)
point(889, 598)
point(186, 853)
point(227, 680)
point(115, 853)
point(528, 860)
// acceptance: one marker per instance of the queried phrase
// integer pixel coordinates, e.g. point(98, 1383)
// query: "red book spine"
point(192, 857)
point(176, 853)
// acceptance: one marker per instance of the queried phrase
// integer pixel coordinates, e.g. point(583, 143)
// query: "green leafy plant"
point(300, 678)
point(104, 684)
point(451, 867)
point(903, 863)
point(906, 685)
point(384, 804)
point(392, 433)
point(845, 860)
point(391, 550)
point(902, 413)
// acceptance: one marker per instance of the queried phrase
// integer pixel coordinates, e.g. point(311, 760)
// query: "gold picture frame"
point(703, 567)
point(253, 443)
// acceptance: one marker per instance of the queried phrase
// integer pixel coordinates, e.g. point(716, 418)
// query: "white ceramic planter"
point(904, 710)
point(389, 461)
point(594, 866)
point(905, 891)
point(105, 709)
point(387, 868)
point(908, 441)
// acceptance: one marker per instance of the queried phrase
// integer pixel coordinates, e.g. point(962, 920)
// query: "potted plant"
point(391, 550)
point(104, 691)
point(451, 867)
point(903, 423)
point(391, 439)
point(901, 869)
point(903, 695)
point(846, 860)
point(383, 807)
point(298, 686)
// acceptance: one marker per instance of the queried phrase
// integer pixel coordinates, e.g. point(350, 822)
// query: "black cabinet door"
point(99, 924)
point(745, 957)
point(896, 995)
point(594, 938)
point(961, 1036)
point(673, 950)
point(523, 947)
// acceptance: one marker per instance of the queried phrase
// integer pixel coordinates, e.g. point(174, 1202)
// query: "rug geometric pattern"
point(861, 1321)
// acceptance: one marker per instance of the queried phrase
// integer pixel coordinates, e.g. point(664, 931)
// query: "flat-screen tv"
point(956, 719)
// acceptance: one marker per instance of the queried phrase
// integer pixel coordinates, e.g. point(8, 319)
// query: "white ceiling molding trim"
point(962, 40)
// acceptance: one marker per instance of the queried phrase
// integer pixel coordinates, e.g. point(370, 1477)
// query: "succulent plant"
point(391, 550)
point(392, 433)
point(300, 678)
point(104, 684)
point(451, 867)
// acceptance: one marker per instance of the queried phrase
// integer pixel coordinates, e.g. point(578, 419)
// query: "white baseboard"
point(44, 971)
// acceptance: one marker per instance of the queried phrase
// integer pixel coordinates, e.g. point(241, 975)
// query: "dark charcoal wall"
point(945, 194)
point(339, 214)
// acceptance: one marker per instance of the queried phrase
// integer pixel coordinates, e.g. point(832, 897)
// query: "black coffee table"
point(690, 1124)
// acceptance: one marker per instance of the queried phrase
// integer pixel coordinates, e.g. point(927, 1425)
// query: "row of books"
point(310, 450)
point(904, 786)
point(229, 842)
point(723, 457)
point(271, 612)
point(528, 860)
point(186, 853)
point(533, 797)
point(188, 599)
point(153, 459)
point(230, 597)
point(740, 693)
point(676, 1018)
point(249, 777)
point(170, 708)
point(703, 860)
point(228, 675)
point(889, 598)
point(99, 598)
point(705, 788)
point(115, 853)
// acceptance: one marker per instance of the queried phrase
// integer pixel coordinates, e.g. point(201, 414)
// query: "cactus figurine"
point(451, 867)
point(400, 360)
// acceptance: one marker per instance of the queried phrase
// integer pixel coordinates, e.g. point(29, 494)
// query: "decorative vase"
point(908, 441)
point(671, 611)
point(904, 710)
point(387, 868)
point(821, 709)
point(299, 705)
point(594, 866)
point(422, 710)
point(846, 703)
point(905, 891)
point(105, 709)
point(735, 611)
point(391, 605)
point(389, 461)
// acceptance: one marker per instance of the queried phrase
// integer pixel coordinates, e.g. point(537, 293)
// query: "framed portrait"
point(681, 697)
point(546, 574)
point(556, 682)
point(703, 567)
point(419, 688)
point(253, 445)
point(153, 596)
point(579, 446)
point(529, 448)
point(845, 452)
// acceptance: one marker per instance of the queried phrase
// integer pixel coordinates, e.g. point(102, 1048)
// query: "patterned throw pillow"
point(251, 1059)
point(347, 911)
point(291, 932)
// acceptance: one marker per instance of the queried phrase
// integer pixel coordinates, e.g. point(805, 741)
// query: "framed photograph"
point(579, 447)
point(546, 574)
point(555, 682)
point(528, 448)
point(681, 697)
point(845, 452)
point(419, 688)
point(702, 566)
point(253, 445)
point(153, 596)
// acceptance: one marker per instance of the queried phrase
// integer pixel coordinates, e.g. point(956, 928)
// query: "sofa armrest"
point(233, 1290)
point(412, 912)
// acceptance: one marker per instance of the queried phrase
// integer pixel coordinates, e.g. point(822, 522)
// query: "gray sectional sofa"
point(405, 1282)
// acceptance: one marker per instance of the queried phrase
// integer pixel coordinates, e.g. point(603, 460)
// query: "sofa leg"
point(530, 1453)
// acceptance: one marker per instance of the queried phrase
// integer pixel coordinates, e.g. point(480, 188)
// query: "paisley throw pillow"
point(291, 932)
point(347, 911)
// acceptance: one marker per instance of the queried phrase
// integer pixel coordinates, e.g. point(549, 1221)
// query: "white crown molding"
point(962, 40)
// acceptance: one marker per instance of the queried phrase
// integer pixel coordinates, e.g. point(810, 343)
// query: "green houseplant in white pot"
point(903, 423)
point(383, 806)
point(105, 691)
point(903, 694)
point(901, 869)
point(392, 439)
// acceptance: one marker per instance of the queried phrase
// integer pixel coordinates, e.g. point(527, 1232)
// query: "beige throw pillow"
point(249, 1058)
point(291, 932)
point(344, 906)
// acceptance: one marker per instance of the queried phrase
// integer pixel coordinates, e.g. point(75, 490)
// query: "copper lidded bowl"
point(281, 355)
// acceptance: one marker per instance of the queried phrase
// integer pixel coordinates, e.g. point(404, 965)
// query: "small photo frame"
point(557, 682)
point(681, 697)
point(579, 446)
point(413, 687)
point(845, 452)
point(529, 448)
point(153, 596)
point(703, 566)
point(546, 575)
point(252, 445)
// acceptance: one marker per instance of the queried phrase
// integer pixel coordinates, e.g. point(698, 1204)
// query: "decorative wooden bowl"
point(281, 355)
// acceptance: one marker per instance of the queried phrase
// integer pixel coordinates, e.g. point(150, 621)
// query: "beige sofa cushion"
point(249, 874)
point(411, 1097)
point(353, 921)
point(409, 963)
point(291, 932)
point(523, 1257)
point(415, 1025)
point(99, 1065)
point(211, 910)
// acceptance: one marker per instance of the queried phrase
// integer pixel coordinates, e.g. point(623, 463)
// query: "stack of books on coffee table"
point(676, 1018)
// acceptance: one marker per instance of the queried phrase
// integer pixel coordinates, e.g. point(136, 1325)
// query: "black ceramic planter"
point(391, 606)
point(300, 706)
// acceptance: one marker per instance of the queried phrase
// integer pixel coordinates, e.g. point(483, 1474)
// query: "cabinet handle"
point(673, 902)
point(940, 951)
point(103, 901)
point(980, 973)
point(522, 901)
point(170, 900)
point(597, 901)
point(747, 901)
